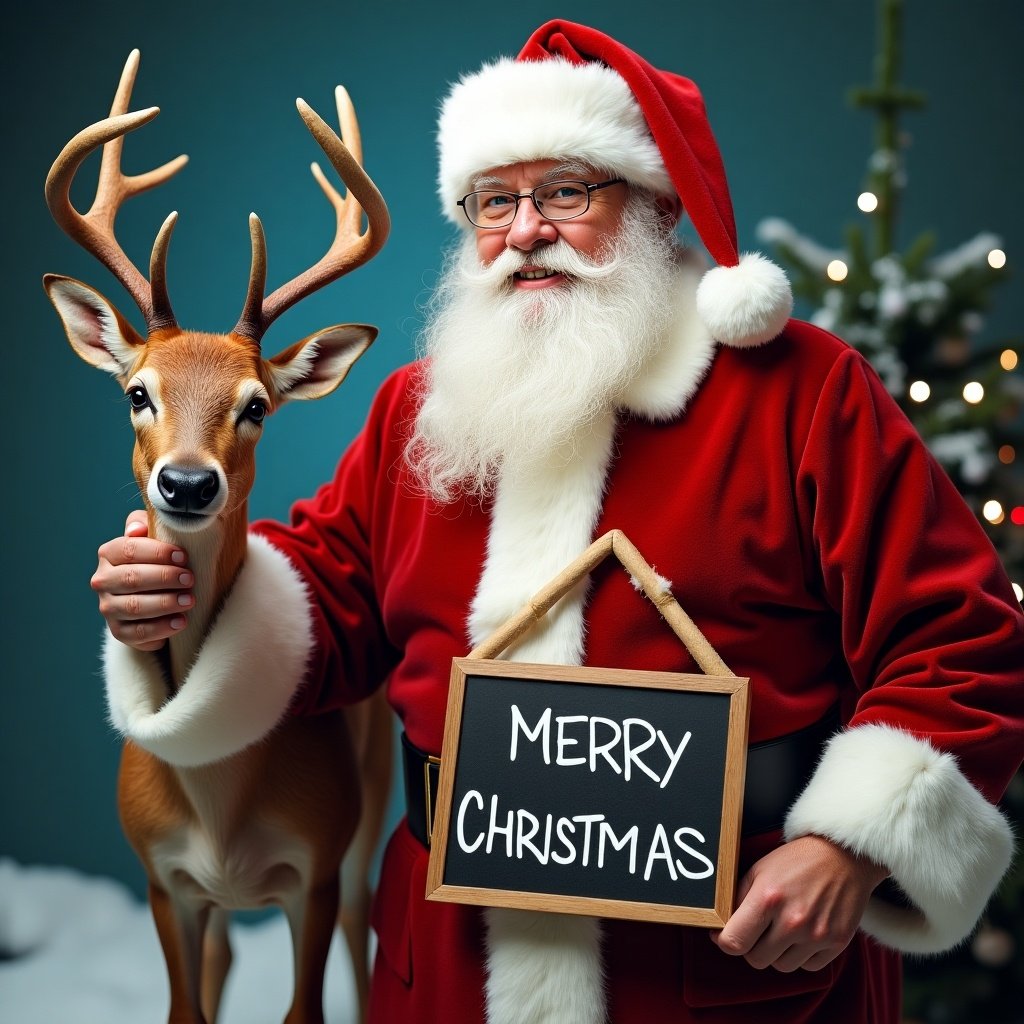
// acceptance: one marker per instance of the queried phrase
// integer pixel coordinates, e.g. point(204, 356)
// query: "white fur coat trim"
point(546, 968)
point(242, 681)
point(541, 521)
point(894, 798)
point(543, 968)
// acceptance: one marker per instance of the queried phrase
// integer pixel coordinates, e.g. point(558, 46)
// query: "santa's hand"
point(799, 906)
point(143, 586)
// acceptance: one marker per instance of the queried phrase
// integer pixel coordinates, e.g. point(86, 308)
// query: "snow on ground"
point(76, 949)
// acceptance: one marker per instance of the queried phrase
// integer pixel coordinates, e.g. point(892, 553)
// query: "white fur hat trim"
point(517, 111)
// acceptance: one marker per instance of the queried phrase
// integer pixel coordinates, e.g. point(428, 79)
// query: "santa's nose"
point(529, 228)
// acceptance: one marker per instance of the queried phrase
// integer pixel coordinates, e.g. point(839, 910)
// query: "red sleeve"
point(931, 629)
point(330, 541)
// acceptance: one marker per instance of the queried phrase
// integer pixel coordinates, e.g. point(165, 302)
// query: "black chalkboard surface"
point(591, 791)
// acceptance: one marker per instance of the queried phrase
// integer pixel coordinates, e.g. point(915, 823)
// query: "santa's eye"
point(497, 200)
point(563, 197)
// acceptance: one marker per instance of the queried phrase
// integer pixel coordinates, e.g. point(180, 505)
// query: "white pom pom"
point(745, 305)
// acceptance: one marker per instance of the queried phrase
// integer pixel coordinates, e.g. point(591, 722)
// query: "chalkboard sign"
point(590, 791)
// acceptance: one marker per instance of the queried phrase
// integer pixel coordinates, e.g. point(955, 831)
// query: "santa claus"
point(581, 373)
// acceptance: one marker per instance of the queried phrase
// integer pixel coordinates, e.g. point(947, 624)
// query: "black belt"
point(777, 771)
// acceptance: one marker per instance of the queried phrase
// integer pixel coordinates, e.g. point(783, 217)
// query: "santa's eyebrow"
point(490, 181)
point(570, 169)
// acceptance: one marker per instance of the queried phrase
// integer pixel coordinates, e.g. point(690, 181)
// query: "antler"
point(95, 230)
point(350, 249)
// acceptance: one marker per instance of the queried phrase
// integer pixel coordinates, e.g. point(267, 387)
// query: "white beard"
point(514, 375)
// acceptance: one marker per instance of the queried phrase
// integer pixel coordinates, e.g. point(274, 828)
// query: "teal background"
point(774, 76)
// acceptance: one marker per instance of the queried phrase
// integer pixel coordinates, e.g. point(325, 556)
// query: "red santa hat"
point(576, 93)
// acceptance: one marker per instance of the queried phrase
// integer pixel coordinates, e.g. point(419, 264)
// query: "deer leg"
point(311, 918)
point(181, 936)
point(217, 957)
point(370, 724)
point(354, 919)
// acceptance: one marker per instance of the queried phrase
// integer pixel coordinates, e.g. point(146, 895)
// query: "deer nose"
point(187, 490)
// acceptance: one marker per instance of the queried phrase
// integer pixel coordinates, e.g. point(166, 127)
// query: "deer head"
point(198, 400)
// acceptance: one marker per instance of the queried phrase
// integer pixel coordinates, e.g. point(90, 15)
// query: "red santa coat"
point(824, 554)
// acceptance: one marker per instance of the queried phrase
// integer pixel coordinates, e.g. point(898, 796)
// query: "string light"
point(1007, 454)
point(867, 202)
point(1017, 590)
point(1017, 516)
point(993, 512)
point(837, 271)
point(973, 392)
point(1008, 359)
point(919, 391)
point(997, 259)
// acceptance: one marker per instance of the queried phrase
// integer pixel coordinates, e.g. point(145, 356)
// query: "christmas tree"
point(918, 317)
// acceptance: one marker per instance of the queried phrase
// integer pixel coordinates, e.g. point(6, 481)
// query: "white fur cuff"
point(892, 797)
point(242, 681)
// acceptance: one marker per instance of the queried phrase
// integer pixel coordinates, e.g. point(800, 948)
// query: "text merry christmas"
point(631, 748)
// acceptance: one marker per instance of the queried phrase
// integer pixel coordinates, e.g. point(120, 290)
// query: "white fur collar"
point(671, 378)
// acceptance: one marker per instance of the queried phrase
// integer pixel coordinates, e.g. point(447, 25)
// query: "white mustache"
point(558, 256)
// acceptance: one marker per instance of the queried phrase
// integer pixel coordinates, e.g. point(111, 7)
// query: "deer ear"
point(96, 330)
point(315, 366)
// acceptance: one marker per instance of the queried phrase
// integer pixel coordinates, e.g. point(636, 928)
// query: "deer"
point(229, 815)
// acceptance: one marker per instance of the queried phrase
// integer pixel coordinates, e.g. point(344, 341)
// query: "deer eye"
point(139, 398)
point(255, 411)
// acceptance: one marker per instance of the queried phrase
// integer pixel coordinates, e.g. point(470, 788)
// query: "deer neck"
point(215, 556)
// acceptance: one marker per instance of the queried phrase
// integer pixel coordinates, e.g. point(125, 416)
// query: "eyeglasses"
point(554, 200)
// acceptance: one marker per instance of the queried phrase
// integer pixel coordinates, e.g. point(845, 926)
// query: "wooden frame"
point(712, 916)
